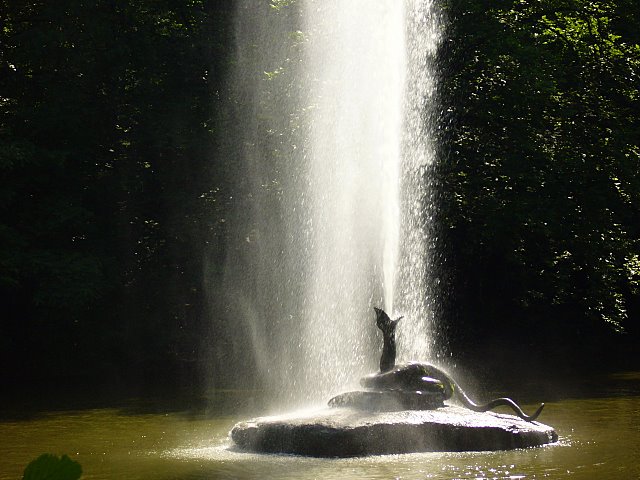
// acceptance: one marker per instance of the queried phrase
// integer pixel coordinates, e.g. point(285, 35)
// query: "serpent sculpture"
point(419, 376)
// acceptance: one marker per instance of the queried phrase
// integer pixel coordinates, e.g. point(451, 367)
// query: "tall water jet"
point(354, 66)
point(333, 98)
point(416, 271)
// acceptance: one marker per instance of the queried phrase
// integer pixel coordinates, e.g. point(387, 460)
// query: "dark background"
point(118, 185)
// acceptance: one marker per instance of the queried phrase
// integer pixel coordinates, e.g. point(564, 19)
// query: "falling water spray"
point(334, 99)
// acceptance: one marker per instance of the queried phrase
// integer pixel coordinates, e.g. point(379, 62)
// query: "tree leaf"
point(51, 467)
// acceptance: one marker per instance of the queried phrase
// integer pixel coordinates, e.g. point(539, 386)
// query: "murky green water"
point(599, 438)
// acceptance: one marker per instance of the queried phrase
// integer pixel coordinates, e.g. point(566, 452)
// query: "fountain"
point(402, 411)
point(338, 111)
point(334, 98)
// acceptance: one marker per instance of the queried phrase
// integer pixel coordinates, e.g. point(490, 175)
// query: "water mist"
point(334, 104)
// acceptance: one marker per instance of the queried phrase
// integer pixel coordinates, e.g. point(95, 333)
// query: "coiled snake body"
point(451, 388)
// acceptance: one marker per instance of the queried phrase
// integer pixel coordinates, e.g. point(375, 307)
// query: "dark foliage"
point(115, 188)
point(110, 183)
point(540, 187)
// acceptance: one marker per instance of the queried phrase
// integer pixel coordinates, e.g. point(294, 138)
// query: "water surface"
point(599, 432)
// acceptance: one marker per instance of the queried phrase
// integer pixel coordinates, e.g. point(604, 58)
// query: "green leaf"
point(50, 467)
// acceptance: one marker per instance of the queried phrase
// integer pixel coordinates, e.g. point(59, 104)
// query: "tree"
point(541, 193)
point(108, 127)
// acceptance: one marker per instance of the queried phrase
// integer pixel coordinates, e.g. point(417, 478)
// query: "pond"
point(599, 428)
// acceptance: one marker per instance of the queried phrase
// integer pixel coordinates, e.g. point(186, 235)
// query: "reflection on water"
point(599, 438)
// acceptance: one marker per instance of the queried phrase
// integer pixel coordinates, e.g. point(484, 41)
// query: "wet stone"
point(346, 432)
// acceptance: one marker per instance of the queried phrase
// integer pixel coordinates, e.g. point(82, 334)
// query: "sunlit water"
point(599, 438)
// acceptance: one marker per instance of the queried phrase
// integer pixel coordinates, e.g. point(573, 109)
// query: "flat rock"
point(345, 432)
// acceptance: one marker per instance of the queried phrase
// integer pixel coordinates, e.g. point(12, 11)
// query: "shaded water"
point(599, 432)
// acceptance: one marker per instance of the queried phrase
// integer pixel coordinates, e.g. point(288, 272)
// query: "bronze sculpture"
point(416, 376)
point(388, 328)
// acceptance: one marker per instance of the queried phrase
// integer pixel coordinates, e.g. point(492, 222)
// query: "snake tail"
point(496, 403)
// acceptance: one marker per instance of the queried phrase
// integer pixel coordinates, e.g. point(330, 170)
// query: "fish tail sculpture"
point(388, 328)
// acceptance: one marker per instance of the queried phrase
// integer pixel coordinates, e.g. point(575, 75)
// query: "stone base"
point(388, 400)
point(341, 432)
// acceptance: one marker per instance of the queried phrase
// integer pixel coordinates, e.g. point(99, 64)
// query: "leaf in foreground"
point(51, 467)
